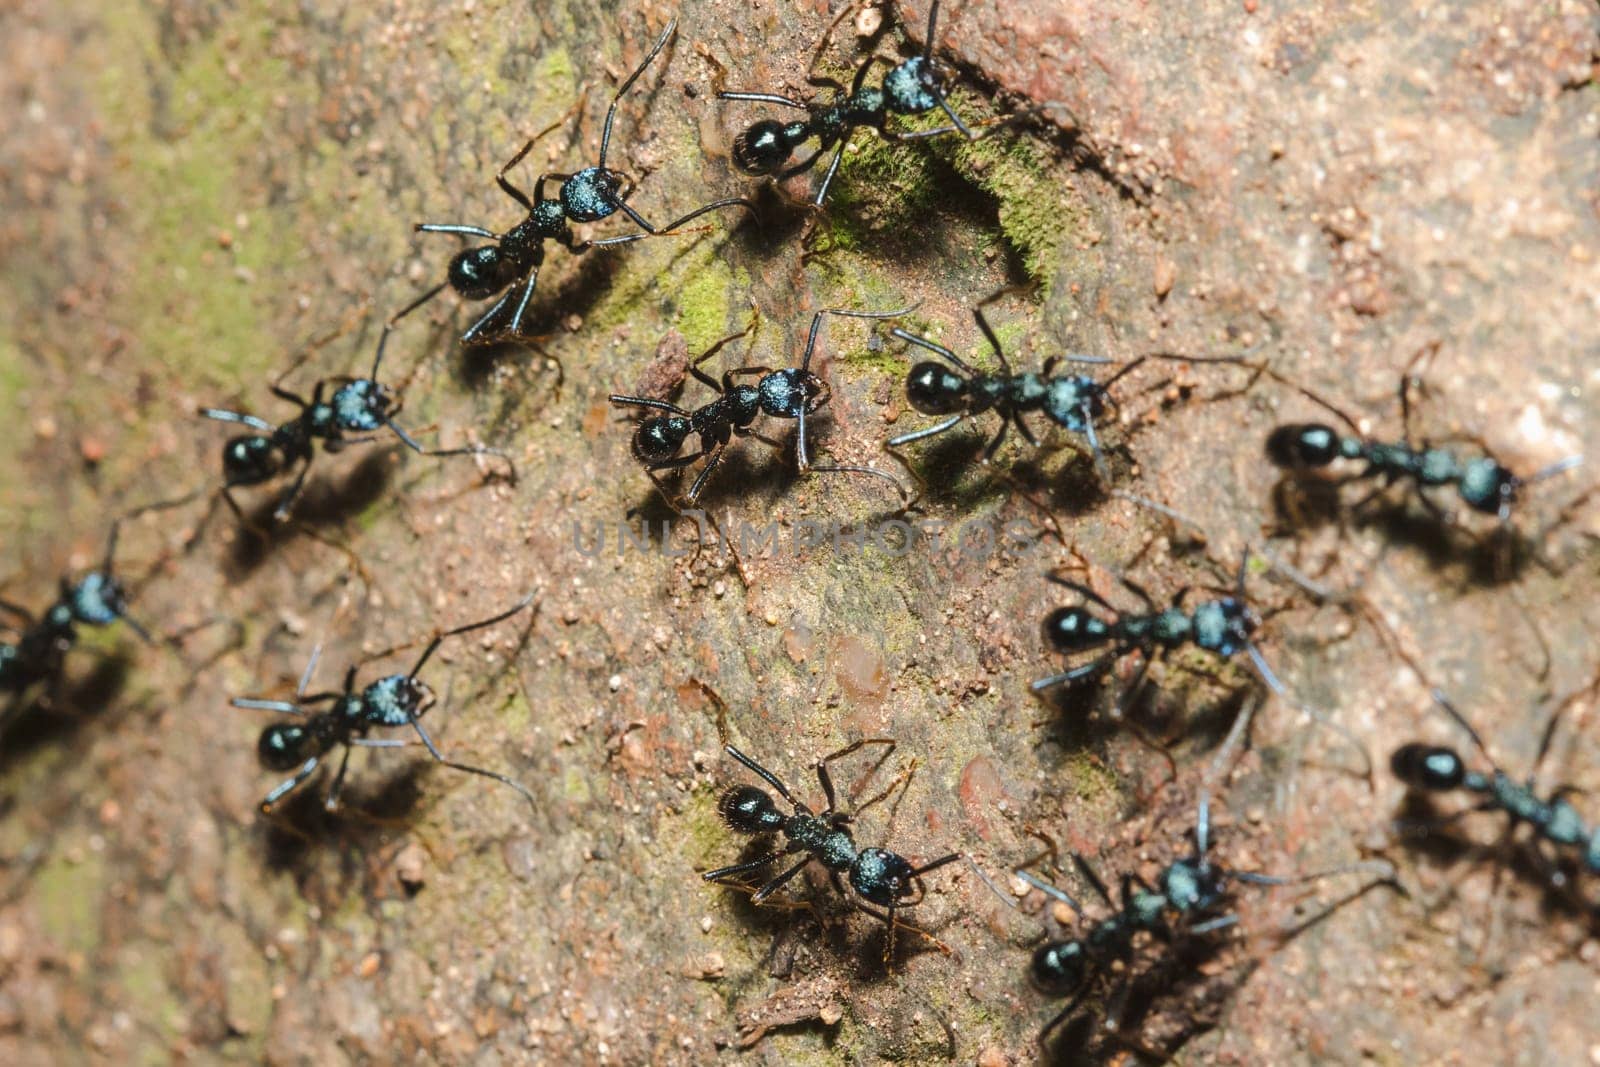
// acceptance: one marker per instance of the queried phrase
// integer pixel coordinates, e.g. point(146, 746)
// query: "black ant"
point(912, 87)
point(512, 263)
point(1188, 900)
point(877, 876)
point(1482, 482)
point(39, 650)
point(1223, 626)
point(395, 700)
point(357, 406)
point(1439, 769)
point(790, 393)
point(1074, 402)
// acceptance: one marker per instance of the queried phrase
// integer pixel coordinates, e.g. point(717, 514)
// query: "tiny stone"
point(705, 924)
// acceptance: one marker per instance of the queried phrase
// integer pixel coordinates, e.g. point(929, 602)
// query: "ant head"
point(763, 148)
point(395, 700)
point(1058, 967)
point(659, 438)
point(591, 194)
point(881, 877)
point(98, 599)
point(750, 810)
point(250, 458)
point(912, 87)
point(934, 389)
point(1488, 487)
point(1072, 401)
point(1431, 767)
point(479, 273)
point(361, 406)
point(1192, 885)
point(1299, 445)
point(1224, 626)
point(786, 393)
point(1074, 629)
point(284, 746)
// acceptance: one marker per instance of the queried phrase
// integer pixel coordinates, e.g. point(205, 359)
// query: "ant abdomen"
point(1303, 445)
point(250, 459)
point(1430, 767)
point(1058, 967)
point(934, 389)
point(765, 146)
point(749, 810)
point(1074, 630)
point(658, 439)
point(479, 273)
point(283, 746)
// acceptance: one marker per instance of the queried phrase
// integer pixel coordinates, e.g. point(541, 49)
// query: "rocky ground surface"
point(196, 193)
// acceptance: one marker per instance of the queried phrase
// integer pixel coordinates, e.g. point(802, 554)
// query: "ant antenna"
point(611, 113)
point(816, 324)
point(438, 639)
point(1455, 713)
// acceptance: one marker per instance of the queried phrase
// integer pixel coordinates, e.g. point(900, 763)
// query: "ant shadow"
point(49, 720)
point(1427, 833)
point(330, 853)
point(320, 504)
point(1167, 1006)
point(1496, 557)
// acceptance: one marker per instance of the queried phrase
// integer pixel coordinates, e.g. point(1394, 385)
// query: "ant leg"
point(826, 781)
point(994, 445)
point(468, 450)
point(289, 786)
point(822, 43)
point(763, 98)
point(713, 461)
point(538, 185)
point(1093, 878)
point(937, 349)
point(17, 611)
point(849, 468)
point(477, 328)
point(468, 768)
point(331, 803)
point(766, 776)
point(286, 501)
point(222, 415)
point(722, 873)
point(1061, 1016)
point(515, 326)
point(779, 882)
point(1407, 381)
point(931, 431)
point(1085, 670)
point(511, 190)
point(702, 376)
point(833, 168)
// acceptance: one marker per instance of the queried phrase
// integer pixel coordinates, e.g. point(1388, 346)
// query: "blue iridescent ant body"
point(913, 86)
point(1440, 769)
